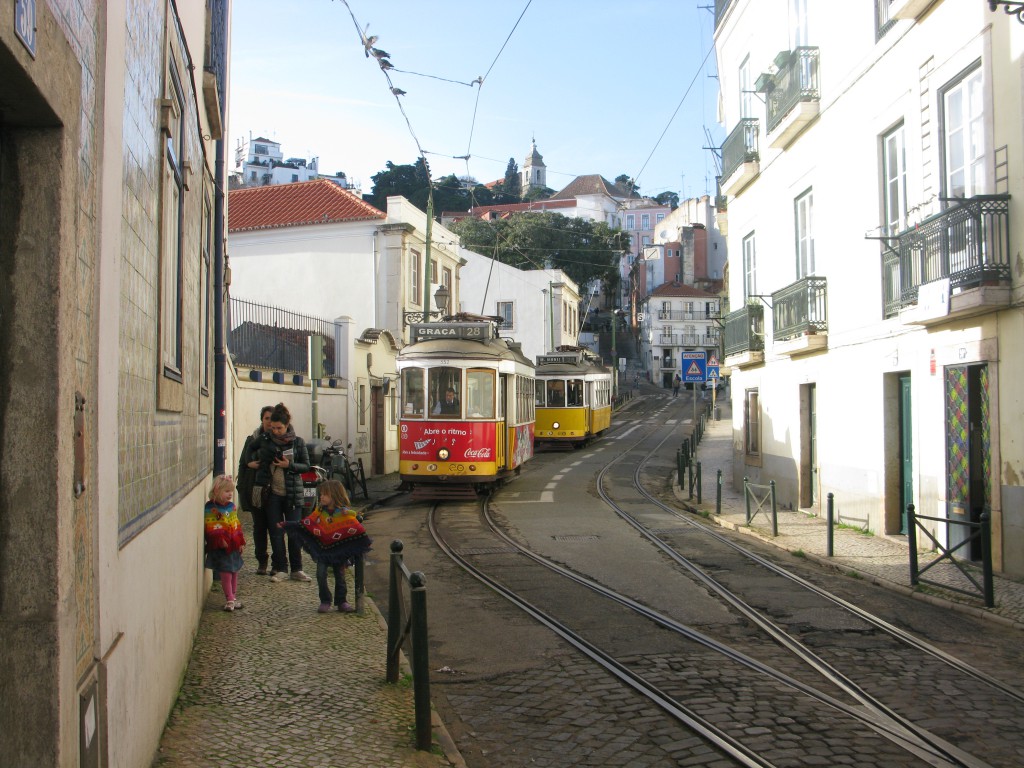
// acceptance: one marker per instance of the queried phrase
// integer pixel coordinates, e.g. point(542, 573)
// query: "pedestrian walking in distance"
point(334, 537)
point(224, 539)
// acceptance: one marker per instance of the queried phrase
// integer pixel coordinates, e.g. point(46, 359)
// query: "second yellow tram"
point(574, 397)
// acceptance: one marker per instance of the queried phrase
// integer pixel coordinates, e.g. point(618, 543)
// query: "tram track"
point(943, 681)
point(651, 674)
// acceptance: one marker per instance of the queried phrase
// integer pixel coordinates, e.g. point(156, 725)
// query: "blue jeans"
point(278, 508)
point(340, 587)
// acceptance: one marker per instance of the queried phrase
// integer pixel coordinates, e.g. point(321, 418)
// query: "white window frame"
point(749, 266)
point(963, 135)
point(803, 215)
point(894, 181)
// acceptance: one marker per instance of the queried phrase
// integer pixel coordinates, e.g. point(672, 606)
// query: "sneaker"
point(229, 606)
point(346, 608)
point(238, 605)
point(279, 576)
point(300, 576)
point(324, 608)
point(261, 571)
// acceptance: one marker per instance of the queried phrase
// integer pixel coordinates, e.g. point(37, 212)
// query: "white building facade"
point(872, 169)
point(540, 307)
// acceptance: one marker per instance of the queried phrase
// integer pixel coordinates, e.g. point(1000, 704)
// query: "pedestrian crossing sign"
point(693, 366)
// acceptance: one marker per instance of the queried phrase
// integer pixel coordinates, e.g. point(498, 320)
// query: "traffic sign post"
point(694, 365)
point(714, 376)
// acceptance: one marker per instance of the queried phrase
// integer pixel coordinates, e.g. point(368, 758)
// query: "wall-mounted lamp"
point(1015, 8)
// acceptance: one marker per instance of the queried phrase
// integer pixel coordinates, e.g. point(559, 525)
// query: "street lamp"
point(441, 298)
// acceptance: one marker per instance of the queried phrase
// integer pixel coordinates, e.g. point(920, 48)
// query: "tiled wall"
point(163, 454)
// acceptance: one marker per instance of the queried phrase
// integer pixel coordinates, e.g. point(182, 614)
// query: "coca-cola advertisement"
point(466, 441)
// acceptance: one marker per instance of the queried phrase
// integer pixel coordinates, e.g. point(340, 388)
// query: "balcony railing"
point(668, 339)
point(688, 314)
point(796, 81)
point(800, 308)
point(744, 330)
point(740, 146)
point(883, 20)
point(721, 6)
point(262, 336)
point(969, 243)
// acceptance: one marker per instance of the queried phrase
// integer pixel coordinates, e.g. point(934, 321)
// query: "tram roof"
point(464, 351)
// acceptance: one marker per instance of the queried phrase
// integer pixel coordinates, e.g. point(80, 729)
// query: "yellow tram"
point(574, 397)
point(466, 420)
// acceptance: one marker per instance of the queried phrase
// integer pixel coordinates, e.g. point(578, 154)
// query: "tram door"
point(506, 414)
point(968, 451)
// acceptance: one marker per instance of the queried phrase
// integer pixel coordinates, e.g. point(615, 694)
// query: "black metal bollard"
point(357, 573)
point(775, 513)
point(912, 543)
point(746, 497)
point(699, 484)
point(828, 520)
point(394, 611)
point(718, 496)
point(986, 558)
point(420, 660)
point(679, 468)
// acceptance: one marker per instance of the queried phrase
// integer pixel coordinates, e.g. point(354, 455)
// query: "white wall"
point(485, 282)
point(324, 270)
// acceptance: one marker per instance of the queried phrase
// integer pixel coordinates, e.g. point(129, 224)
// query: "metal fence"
point(796, 81)
point(263, 336)
point(801, 307)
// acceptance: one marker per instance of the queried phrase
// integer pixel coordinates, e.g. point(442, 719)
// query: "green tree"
point(627, 183)
point(668, 198)
point(409, 181)
point(583, 249)
point(513, 183)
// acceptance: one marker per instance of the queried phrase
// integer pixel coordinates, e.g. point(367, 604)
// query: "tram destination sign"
point(432, 331)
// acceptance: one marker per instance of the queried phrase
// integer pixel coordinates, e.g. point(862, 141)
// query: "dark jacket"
point(265, 449)
point(245, 476)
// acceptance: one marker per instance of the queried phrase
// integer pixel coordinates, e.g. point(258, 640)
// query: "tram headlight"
point(443, 454)
point(555, 425)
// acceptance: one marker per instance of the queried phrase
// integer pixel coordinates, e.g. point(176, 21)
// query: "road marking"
point(546, 497)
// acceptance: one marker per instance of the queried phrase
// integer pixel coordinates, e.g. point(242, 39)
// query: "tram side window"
point(412, 393)
point(480, 394)
point(445, 391)
point(556, 393)
point(540, 388)
point(574, 392)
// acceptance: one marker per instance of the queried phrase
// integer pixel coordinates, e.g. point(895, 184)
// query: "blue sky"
point(595, 81)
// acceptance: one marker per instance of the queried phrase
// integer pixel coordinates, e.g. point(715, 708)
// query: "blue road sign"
point(694, 366)
point(713, 369)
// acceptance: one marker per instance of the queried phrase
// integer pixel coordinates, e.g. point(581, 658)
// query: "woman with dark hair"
point(248, 463)
point(283, 457)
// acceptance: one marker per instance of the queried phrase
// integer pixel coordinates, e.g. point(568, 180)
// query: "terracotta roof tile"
point(593, 184)
point(297, 204)
point(679, 289)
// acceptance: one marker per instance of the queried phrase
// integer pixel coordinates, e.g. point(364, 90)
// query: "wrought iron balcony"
point(795, 82)
point(968, 243)
point(669, 339)
point(740, 147)
point(800, 308)
point(744, 330)
point(721, 6)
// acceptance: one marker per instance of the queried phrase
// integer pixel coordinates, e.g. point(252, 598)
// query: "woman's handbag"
point(259, 496)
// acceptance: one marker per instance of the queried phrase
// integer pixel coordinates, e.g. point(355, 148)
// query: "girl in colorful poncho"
point(224, 539)
point(334, 538)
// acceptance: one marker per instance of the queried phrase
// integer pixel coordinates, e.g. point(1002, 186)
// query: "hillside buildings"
point(872, 170)
point(259, 162)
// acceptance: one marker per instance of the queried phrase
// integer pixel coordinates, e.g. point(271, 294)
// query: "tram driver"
point(449, 406)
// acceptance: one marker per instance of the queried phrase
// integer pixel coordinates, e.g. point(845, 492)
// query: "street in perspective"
point(511, 384)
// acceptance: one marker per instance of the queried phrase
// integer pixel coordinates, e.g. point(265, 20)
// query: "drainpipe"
point(220, 357)
point(551, 312)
